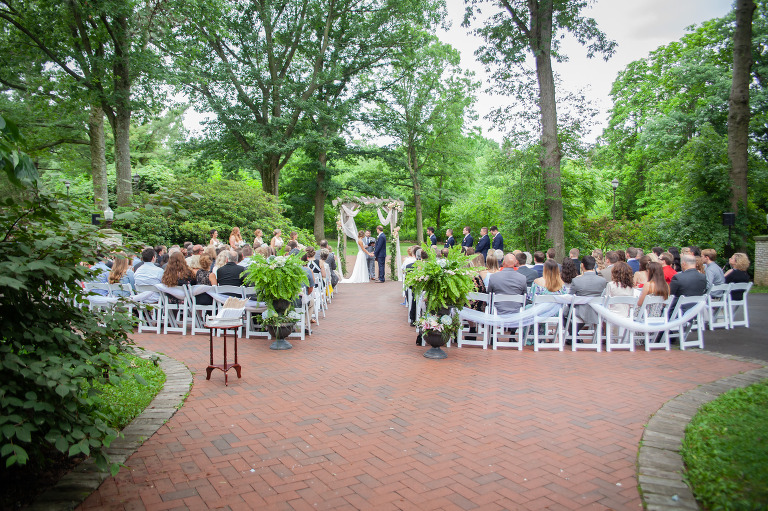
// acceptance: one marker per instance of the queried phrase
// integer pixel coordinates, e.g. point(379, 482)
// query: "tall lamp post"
point(614, 184)
point(67, 183)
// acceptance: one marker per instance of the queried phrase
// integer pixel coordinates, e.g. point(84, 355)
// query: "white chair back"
point(683, 304)
point(717, 306)
point(504, 337)
point(482, 331)
point(620, 338)
point(735, 305)
point(548, 330)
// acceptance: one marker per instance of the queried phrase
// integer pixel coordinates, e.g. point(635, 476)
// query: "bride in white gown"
point(360, 272)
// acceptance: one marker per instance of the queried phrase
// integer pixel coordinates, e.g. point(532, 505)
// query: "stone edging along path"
point(659, 464)
point(84, 479)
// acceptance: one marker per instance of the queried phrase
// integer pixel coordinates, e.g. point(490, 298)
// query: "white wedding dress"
point(360, 272)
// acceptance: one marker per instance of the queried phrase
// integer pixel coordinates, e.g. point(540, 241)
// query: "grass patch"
point(725, 450)
point(759, 289)
point(123, 402)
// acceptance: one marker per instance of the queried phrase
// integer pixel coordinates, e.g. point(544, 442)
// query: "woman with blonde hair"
point(550, 283)
point(491, 267)
point(121, 273)
point(598, 255)
point(221, 260)
point(235, 239)
point(738, 273)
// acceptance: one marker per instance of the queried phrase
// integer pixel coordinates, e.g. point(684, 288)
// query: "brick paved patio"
point(355, 418)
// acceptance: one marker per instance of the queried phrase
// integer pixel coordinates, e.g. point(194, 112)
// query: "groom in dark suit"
point(484, 244)
point(380, 251)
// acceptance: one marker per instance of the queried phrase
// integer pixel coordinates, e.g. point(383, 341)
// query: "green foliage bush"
point(218, 204)
point(725, 450)
point(51, 348)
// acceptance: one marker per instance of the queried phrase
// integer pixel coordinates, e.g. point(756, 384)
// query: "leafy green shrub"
point(51, 349)
point(725, 450)
point(220, 204)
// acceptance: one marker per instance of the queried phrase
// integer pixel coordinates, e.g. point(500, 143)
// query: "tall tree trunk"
point(98, 156)
point(320, 196)
point(122, 122)
point(541, 16)
point(413, 167)
point(270, 175)
point(738, 107)
point(439, 203)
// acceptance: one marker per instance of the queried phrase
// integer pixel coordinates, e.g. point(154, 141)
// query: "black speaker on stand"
point(729, 220)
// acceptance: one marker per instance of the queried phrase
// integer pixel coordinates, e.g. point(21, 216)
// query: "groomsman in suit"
point(367, 240)
point(498, 241)
point(449, 241)
point(484, 244)
point(468, 240)
point(380, 251)
point(432, 237)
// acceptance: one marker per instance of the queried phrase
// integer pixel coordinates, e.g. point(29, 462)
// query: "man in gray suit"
point(612, 257)
point(529, 273)
point(367, 241)
point(589, 283)
point(507, 282)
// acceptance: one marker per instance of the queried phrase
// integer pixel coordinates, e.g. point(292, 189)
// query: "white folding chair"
point(123, 291)
point(253, 328)
point(501, 337)
point(718, 306)
point(683, 331)
point(199, 311)
point(548, 339)
point(150, 309)
point(175, 314)
point(652, 339)
point(625, 339)
point(236, 291)
point(589, 338)
point(735, 305)
point(480, 336)
point(99, 301)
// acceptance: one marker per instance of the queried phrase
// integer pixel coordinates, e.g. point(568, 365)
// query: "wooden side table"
point(225, 366)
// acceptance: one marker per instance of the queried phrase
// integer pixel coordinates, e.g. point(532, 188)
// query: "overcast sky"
point(638, 26)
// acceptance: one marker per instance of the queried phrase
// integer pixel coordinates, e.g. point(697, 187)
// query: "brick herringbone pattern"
point(355, 418)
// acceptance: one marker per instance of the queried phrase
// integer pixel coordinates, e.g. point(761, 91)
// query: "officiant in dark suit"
point(468, 241)
point(380, 251)
point(498, 241)
point(484, 244)
point(449, 241)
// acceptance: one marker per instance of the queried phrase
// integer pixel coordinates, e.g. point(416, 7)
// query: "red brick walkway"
point(355, 418)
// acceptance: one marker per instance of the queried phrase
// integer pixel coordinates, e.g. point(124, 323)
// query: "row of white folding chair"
point(116, 290)
point(717, 306)
point(736, 306)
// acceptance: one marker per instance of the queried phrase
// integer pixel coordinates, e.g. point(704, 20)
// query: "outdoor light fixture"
point(67, 183)
point(614, 184)
point(109, 215)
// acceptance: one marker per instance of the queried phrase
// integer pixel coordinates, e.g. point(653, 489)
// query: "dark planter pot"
point(281, 306)
point(435, 339)
point(279, 333)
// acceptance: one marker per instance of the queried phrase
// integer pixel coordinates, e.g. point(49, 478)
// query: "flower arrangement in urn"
point(446, 325)
point(277, 279)
point(446, 281)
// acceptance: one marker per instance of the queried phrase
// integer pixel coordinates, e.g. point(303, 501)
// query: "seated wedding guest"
point(491, 267)
point(653, 258)
point(568, 271)
point(211, 252)
point(589, 283)
point(478, 262)
point(324, 255)
point(214, 242)
point(599, 261)
point(263, 251)
point(667, 260)
point(148, 274)
point(622, 255)
point(247, 253)
point(276, 242)
point(611, 259)
point(292, 248)
point(529, 273)
point(621, 284)
point(309, 258)
point(499, 254)
point(160, 251)
point(221, 260)
point(258, 239)
point(656, 286)
point(658, 251)
point(187, 248)
point(675, 259)
point(688, 282)
point(197, 250)
point(444, 252)
point(177, 273)
point(551, 254)
point(632, 259)
point(538, 262)
point(231, 274)
point(738, 273)
point(528, 259)
point(235, 238)
point(331, 257)
point(574, 255)
point(99, 273)
point(121, 273)
point(550, 283)
point(641, 276)
point(471, 251)
point(409, 258)
point(507, 281)
point(712, 271)
point(204, 277)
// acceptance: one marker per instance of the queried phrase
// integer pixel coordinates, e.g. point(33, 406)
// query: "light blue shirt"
point(100, 273)
point(148, 275)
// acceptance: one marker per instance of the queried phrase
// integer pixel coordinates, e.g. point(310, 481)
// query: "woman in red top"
point(667, 259)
